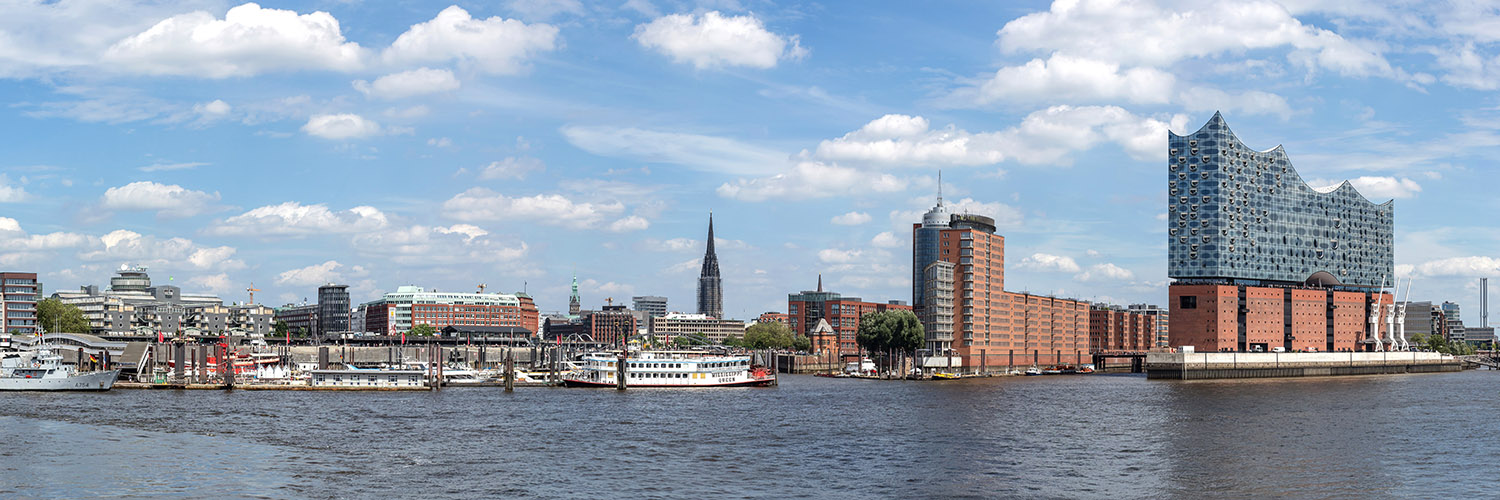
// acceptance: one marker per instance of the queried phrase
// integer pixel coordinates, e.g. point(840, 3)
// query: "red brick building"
point(1251, 318)
point(612, 325)
point(1113, 329)
point(409, 306)
point(806, 308)
point(775, 317)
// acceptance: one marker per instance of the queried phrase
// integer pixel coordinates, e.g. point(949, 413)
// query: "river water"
point(1096, 436)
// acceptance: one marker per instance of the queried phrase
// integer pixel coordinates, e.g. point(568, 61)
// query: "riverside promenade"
point(1220, 365)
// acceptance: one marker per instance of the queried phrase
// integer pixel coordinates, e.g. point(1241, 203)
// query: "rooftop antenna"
point(940, 187)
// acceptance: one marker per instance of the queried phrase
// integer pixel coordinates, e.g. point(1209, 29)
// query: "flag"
point(160, 337)
point(403, 338)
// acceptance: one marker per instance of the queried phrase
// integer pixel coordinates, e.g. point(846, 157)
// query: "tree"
point(770, 336)
point(424, 330)
point(734, 341)
point(689, 340)
point(802, 343)
point(279, 327)
point(57, 317)
point(898, 331)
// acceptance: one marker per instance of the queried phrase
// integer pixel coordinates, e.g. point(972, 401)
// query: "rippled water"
point(1039, 437)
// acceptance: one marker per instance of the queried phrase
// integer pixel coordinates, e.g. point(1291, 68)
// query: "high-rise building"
point(333, 308)
point(710, 288)
point(970, 321)
point(1453, 322)
point(842, 313)
point(652, 305)
point(21, 291)
point(1262, 260)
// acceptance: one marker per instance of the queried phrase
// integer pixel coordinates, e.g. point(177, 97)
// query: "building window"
point(1187, 302)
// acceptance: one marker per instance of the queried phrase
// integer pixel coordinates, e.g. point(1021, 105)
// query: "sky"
point(512, 144)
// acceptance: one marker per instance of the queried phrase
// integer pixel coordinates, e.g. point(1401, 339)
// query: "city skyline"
point(595, 137)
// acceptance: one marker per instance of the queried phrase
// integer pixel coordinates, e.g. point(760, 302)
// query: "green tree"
point(802, 343)
point(57, 317)
point(770, 336)
point(689, 340)
point(898, 331)
point(424, 330)
point(734, 341)
point(279, 327)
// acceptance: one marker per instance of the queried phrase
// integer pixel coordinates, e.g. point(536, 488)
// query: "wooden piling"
point(510, 372)
point(620, 372)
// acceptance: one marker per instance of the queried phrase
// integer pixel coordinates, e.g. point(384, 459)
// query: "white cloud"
point(713, 40)
point(1250, 102)
point(1105, 271)
point(481, 204)
point(215, 283)
point(809, 179)
point(295, 219)
point(1461, 267)
point(674, 244)
point(9, 225)
point(837, 256)
point(166, 200)
point(1375, 188)
point(699, 152)
point(440, 142)
point(629, 223)
point(493, 45)
point(1147, 34)
point(314, 275)
point(342, 126)
point(851, 219)
point(1064, 78)
point(129, 246)
point(10, 193)
point(1049, 262)
point(1043, 137)
point(887, 239)
point(213, 110)
point(459, 244)
point(248, 41)
point(683, 267)
point(512, 168)
point(409, 83)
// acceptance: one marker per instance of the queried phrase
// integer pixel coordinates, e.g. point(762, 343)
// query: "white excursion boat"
point(670, 369)
point(42, 369)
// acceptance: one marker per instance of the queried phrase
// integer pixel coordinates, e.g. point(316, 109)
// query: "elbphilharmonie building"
point(1260, 259)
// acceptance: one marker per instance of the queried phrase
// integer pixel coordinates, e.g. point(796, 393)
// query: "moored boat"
point(670, 369)
point(42, 369)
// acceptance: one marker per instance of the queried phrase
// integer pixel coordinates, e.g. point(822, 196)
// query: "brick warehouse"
point(1263, 261)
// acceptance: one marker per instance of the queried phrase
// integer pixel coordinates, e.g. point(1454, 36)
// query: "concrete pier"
point(1221, 365)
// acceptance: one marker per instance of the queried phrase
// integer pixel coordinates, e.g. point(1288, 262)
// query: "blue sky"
point(510, 143)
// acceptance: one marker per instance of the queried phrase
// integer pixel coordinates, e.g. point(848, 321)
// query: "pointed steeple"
point(574, 302)
point(820, 282)
point(710, 288)
point(940, 187)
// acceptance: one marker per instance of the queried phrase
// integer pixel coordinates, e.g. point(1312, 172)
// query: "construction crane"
point(252, 291)
point(481, 287)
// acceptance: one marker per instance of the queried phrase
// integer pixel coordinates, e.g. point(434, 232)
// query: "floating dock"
point(1221, 365)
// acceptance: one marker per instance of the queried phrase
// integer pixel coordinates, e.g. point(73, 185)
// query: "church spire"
point(710, 288)
point(574, 302)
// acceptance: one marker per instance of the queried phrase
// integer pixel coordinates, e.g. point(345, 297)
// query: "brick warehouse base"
point(1219, 318)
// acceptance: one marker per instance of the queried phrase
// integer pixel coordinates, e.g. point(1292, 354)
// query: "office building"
point(970, 321)
point(333, 308)
point(397, 312)
point(21, 291)
point(1453, 323)
point(133, 307)
point(1261, 260)
point(300, 319)
point(710, 287)
point(652, 305)
point(715, 330)
point(1114, 329)
point(613, 325)
point(842, 313)
point(1162, 319)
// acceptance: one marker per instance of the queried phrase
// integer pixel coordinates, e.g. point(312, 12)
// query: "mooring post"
point(620, 372)
point(510, 372)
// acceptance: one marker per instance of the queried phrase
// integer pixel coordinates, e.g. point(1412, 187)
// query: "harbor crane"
point(252, 291)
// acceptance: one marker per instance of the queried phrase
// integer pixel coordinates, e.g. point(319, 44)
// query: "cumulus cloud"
point(1250, 102)
point(810, 179)
point(512, 168)
point(439, 246)
point(629, 223)
point(1147, 34)
point(714, 40)
point(314, 275)
point(1043, 137)
point(216, 283)
point(10, 193)
point(295, 219)
point(1049, 262)
point(129, 246)
point(249, 40)
point(1105, 271)
point(839, 256)
point(1065, 78)
point(409, 83)
point(342, 126)
point(1374, 187)
point(851, 219)
point(481, 204)
point(1464, 267)
point(167, 200)
point(493, 45)
point(887, 239)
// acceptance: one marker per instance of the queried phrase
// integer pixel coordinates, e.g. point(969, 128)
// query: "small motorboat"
point(1033, 371)
point(1085, 368)
point(945, 376)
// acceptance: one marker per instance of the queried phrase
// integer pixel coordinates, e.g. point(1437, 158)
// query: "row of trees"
point(1438, 343)
point(770, 336)
point(890, 331)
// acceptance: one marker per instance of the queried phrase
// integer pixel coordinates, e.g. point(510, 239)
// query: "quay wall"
point(1219, 365)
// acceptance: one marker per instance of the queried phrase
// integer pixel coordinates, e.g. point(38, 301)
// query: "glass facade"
point(1239, 214)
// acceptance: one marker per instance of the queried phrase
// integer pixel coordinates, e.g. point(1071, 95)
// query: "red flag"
point(159, 337)
point(403, 338)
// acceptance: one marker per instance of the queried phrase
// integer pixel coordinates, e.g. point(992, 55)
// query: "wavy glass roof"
point(1235, 213)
